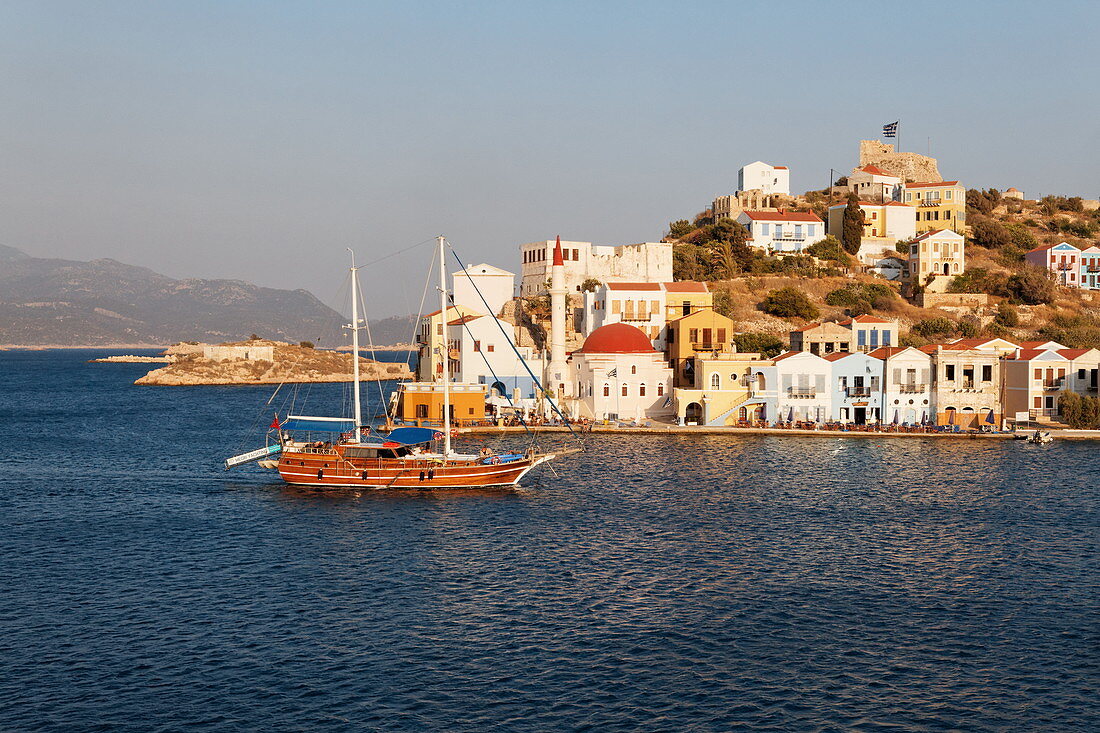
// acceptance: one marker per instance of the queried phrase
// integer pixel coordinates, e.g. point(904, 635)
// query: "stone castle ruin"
point(910, 167)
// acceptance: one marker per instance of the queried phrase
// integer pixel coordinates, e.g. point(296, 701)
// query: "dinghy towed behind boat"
point(409, 457)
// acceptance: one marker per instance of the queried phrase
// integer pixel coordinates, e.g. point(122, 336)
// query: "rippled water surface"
point(656, 583)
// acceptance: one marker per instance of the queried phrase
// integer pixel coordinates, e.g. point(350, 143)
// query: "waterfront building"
point(618, 375)
point(768, 179)
point(856, 385)
point(860, 333)
point(782, 232)
point(684, 297)
point(1034, 378)
point(999, 346)
point(907, 394)
point(727, 388)
point(871, 183)
point(966, 385)
point(797, 387)
point(890, 220)
point(483, 351)
point(643, 262)
point(1090, 268)
point(421, 403)
point(703, 333)
point(935, 258)
point(1063, 260)
point(940, 205)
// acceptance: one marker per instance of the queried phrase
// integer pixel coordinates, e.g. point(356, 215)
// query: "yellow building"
point(421, 404)
point(939, 205)
point(935, 258)
point(728, 388)
point(703, 332)
point(685, 297)
point(429, 338)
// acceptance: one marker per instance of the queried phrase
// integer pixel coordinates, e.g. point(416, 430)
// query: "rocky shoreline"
point(263, 362)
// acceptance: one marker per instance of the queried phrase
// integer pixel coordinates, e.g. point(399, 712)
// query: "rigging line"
point(523, 361)
point(373, 352)
point(398, 252)
point(412, 337)
point(496, 379)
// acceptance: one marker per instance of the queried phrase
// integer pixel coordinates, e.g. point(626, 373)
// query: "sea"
point(647, 583)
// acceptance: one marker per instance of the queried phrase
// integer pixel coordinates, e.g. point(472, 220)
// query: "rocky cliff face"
point(67, 302)
point(290, 364)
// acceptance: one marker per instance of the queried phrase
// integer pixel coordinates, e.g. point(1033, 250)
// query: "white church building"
point(618, 375)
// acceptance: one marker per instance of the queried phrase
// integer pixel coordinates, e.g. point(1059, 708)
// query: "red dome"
point(617, 338)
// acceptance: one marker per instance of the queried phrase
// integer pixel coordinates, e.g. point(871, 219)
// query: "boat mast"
point(445, 352)
point(355, 344)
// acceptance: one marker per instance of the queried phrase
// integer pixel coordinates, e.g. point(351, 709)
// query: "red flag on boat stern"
point(274, 423)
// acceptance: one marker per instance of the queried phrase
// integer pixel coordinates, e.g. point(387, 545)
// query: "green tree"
point(851, 230)
point(1032, 286)
point(590, 285)
point(1007, 315)
point(680, 228)
point(934, 328)
point(306, 344)
point(830, 249)
point(723, 302)
point(765, 344)
point(788, 302)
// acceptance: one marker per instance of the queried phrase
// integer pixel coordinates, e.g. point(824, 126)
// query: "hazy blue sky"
point(257, 140)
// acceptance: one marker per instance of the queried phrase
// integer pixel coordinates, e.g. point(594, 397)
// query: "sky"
point(259, 140)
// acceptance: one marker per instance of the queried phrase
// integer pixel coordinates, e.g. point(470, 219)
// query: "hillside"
point(68, 302)
point(1022, 302)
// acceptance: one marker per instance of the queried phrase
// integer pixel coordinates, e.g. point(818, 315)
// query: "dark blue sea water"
point(658, 584)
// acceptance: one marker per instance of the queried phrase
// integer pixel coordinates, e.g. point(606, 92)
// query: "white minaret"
point(557, 371)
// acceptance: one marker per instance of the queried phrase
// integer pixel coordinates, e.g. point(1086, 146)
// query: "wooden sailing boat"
point(406, 458)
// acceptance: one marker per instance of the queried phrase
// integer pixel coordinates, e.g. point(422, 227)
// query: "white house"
point(856, 387)
point(643, 262)
point(798, 387)
point(768, 179)
point(871, 183)
point(907, 393)
point(782, 231)
point(482, 353)
point(620, 376)
point(639, 304)
point(496, 285)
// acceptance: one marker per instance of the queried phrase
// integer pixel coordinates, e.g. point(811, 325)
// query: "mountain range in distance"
point(46, 301)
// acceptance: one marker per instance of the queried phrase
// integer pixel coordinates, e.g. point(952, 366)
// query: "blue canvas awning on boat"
point(318, 424)
point(412, 436)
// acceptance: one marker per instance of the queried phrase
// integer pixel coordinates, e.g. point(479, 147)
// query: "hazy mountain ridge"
point(68, 302)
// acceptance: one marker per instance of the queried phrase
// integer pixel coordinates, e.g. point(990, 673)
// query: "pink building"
point(1064, 260)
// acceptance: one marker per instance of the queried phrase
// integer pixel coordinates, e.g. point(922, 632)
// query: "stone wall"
point(249, 353)
point(952, 300)
point(907, 166)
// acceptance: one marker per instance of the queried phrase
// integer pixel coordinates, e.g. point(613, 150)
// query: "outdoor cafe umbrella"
point(950, 417)
point(790, 415)
point(924, 417)
point(989, 418)
point(895, 417)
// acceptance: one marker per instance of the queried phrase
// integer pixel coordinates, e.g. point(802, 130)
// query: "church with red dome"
point(618, 375)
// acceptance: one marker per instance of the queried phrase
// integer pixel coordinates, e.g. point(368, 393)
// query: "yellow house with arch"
point(728, 389)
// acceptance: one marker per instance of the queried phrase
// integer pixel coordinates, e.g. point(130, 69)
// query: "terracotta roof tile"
point(931, 185)
point(782, 216)
point(633, 286)
point(686, 286)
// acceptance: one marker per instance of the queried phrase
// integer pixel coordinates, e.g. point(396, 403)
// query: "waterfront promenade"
point(666, 428)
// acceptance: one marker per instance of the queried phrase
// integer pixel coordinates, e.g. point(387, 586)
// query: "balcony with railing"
point(912, 388)
point(1056, 383)
point(706, 346)
point(801, 393)
point(857, 392)
point(630, 317)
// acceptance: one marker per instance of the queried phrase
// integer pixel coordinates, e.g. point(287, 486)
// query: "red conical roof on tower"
point(558, 259)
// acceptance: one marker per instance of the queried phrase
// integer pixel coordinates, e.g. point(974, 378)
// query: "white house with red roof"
point(649, 306)
point(1063, 260)
point(782, 232)
point(907, 394)
point(768, 179)
point(871, 183)
point(797, 387)
point(481, 352)
point(618, 375)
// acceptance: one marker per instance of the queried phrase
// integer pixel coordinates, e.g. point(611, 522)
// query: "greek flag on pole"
point(613, 373)
point(890, 129)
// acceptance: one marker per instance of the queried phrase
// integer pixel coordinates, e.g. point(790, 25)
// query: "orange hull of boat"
point(314, 469)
